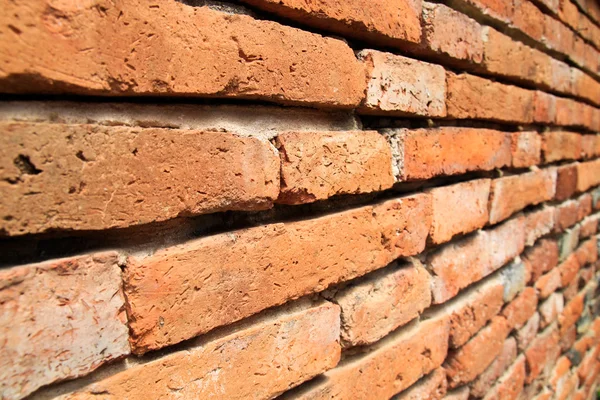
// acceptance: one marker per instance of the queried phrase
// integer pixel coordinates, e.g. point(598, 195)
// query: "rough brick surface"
point(525, 148)
point(588, 175)
point(560, 145)
point(518, 311)
point(566, 181)
point(538, 223)
point(59, 319)
point(510, 385)
point(542, 258)
point(542, 352)
point(431, 387)
point(485, 381)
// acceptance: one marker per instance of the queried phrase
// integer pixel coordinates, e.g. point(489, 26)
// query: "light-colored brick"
point(538, 223)
point(484, 382)
point(561, 145)
point(509, 387)
point(525, 148)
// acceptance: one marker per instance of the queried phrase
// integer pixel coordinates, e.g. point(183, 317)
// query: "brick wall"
point(299, 200)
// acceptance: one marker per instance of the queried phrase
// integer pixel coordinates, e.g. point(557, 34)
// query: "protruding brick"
point(544, 107)
point(566, 215)
point(548, 283)
point(89, 177)
point(59, 319)
point(566, 181)
point(568, 339)
point(589, 226)
point(550, 309)
point(143, 52)
point(571, 313)
point(403, 86)
point(526, 149)
point(425, 153)
point(518, 311)
point(366, 239)
point(471, 198)
point(430, 387)
point(484, 382)
point(588, 175)
point(513, 193)
point(528, 332)
point(587, 252)
point(318, 165)
point(509, 387)
point(528, 18)
point(382, 302)
point(568, 270)
point(585, 206)
point(560, 145)
point(538, 223)
point(280, 350)
point(542, 258)
point(542, 353)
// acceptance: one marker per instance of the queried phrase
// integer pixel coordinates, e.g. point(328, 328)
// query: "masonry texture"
point(337, 200)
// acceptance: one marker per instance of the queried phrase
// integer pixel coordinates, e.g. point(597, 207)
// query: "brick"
point(589, 226)
point(390, 366)
point(550, 309)
point(542, 353)
point(557, 36)
point(465, 364)
point(548, 283)
point(528, 19)
point(472, 97)
point(525, 148)
point(280, 350)
point(568, 242)
point(458, 394)
point(495, 9)
point(513, 193)
point(584, 85)
point(571, 313)
point(587, 252)
point(390, 23)
point(561, 145)
point(568, 270)
point(596, 199)
point(528, 332)
point(566, 215)
point(468, 260)
point(89, 177)
point(472, 309)
point(431, 387)
point(588, 364)
point(142, 52)
point(560, 374)
point(585, 206)
point(484, 382)
point(542, 257)
point(566, 181)
point(402, 86)
point(59, 319)
point(470, 197)
point(590, 145)
point(544, 107)
point(511, 384)
point(451, 33)
point(318, 165)
point(425, 153)
point(568, 339)
point(513, 278)
point(382, 302)
point(538, 223)
point(518, 311)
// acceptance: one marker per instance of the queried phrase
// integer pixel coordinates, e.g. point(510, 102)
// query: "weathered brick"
point(425, 153)
point(528, 19)
point(280, 350)
point(589, 226)
point(509, 387)
point(544, 107)
point(484, 382)
point(458, 394)
point(590, 145)
point(585, 206)
point(566, 215)
point(542, 257)
point(561, 145)
point(89, 177)
point(403, 86)
point(391, 366)
point(430, 387)
point(538, 223)
point(542, 353)
point(568, 242)
point(550, 309)
point(365, 239)
point(518, 311)
point(471, 198)
point(528, 332)
point(571, 313)
point(472, 97)
point(513, 278)
point(566, 181)
point(525, 148)
point(548, 283)
point(513, 193)
point(58, 320)
point(560, 375)
point(468, 260)
point(465, 364)
point(587, 252)
point(568, 339)
point(568, 270)
point(495, 9)
point(318, 165)
point(382, 302)
point(133, 49)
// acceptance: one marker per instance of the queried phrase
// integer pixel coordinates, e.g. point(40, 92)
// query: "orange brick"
point(528, 332)
point(88, 177)
point(511, 384)
point(560, 374)
point(568, 339)
point(465, 364)
point(542, 353)
point(568, 270)
point(59, 319)
point(513, 193)
point(472, 97)
point(458, 394)
point(495, 9)
point(551, 308)
point(383, 301)
point(544, 107)
point(528, 19)
point(538, 223)
point(566, 181)
point(425, 153)
point(518, 311)
point(548, 283)
point(366, 239)
point(318, 165)
point(589, 226)
point(590, 145)
point(402, 86)
point(468, 260)
point(587, 252)
point(585, 206)
point(143, 52)
point(430, 387)
point(280, 350)
point(470, 197)
point(561, 145)
point(542, 257)
point(571, 313)
point(526, 149)
point(484, 382)
point(566, 215)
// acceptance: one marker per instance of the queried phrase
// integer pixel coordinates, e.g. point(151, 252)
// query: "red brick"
point(59, 319)
point(584, 85)
point(383, 301)
point(550, 309)
point(548, 283)
point(538, 223)
point(566, 181)
point(484, 382)
point(468, 260)
point(557, 36)
point(585, 206)
point(430, 387)
point(391, 366)
point(568, 339)
point(569, 14)
point(318, 165)
point(571, 313)
point(402, 86)
point(471, 198)
point(526, 149)
point(566, 215)
point(560, 374)
point(425, 153)
point(280, 350)
point(587, 252)
point(589, 363)
point(542, 257)
point(560, 145)
point(366, 239)
point(528, 332)
point(465, 364)
point(384, 22)
point(518, 311)
point(511, 384)
point(132, 49)
point(568, 270)
point(472, 97)
point(590, 145)
point(542, 353)
point(544, 107)
point(451, 33)
point(589, 226)
point(513, 193)
point(528, 19)
point(89, 177)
